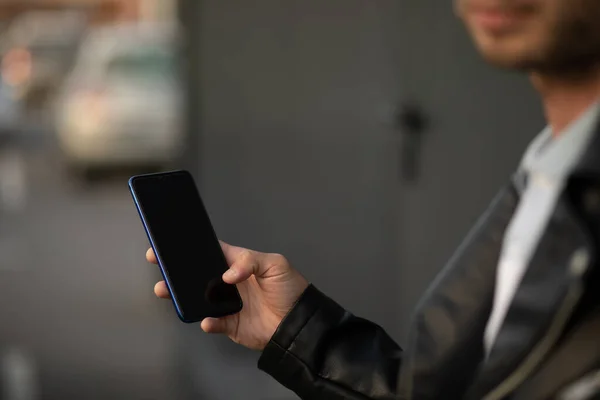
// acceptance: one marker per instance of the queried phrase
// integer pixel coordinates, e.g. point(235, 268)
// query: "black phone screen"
point(185, 243)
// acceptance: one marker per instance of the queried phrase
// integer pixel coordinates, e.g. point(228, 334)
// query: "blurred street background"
point(80, 79)
point(349, 135)
point(84, 85)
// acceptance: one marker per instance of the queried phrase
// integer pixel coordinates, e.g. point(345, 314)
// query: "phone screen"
point(185, 244)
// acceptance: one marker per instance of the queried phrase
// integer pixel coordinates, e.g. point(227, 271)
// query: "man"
point(515, 313)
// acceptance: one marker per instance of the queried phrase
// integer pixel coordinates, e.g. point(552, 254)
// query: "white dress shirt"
point(547, 163)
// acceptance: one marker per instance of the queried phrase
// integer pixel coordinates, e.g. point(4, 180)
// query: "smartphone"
point(187, 249)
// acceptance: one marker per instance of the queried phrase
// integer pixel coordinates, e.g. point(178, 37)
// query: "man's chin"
point(568, 67)
point(508, 61)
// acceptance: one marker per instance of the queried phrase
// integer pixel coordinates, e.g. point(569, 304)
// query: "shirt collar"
point(555, 157)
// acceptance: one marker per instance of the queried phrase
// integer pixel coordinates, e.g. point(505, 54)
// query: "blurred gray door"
point(297, 147)
point(300, 150)
point(297, 155)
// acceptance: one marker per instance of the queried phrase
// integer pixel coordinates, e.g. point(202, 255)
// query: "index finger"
point(151, 257)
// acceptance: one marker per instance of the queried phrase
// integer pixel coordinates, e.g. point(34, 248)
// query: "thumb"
point(231, 253)
point(247, 264)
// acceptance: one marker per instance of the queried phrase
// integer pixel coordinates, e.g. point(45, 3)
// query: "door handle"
point(411, 124)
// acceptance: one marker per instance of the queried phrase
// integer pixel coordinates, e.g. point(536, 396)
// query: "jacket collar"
point(550, 282)
point(449, 321)
point(589, 164)
point(541, 307)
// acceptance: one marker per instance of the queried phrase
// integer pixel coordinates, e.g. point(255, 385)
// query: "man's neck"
point(567, 98)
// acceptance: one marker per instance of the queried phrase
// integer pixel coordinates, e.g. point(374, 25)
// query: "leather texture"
point(321, 351)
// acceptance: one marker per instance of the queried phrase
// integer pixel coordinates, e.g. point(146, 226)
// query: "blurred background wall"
point(359, 138)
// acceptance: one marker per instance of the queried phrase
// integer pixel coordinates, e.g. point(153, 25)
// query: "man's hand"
point(269, 287)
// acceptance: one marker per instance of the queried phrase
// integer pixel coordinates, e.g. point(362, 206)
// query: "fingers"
point(218, 325)
point(161, 290)
point(247, 264)
point(243, 263)
point(151, 257)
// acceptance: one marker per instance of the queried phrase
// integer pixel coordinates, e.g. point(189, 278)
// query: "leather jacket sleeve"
point(321, 351)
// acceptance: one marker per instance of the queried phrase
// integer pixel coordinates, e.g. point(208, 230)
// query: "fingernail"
point(230, 274)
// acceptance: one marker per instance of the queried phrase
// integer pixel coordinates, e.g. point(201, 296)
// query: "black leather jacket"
point(548, 347)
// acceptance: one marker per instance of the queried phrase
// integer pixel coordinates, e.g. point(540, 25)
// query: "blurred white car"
point(122, 104)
